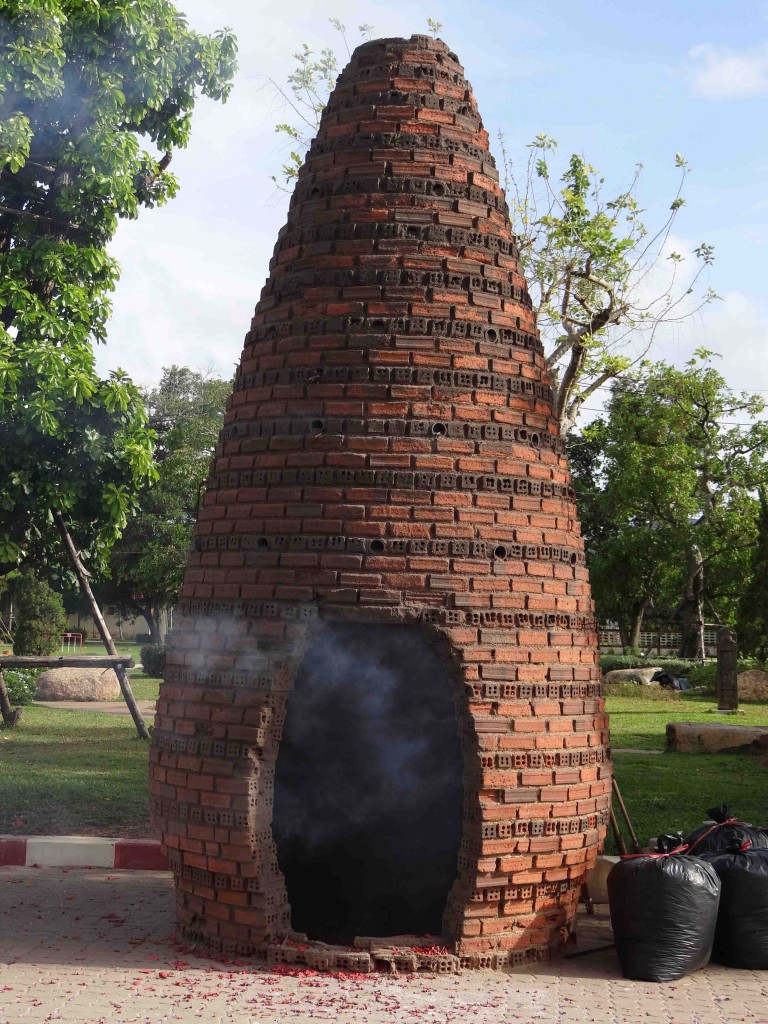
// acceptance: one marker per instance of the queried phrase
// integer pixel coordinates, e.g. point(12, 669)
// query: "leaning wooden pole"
point(82, 578)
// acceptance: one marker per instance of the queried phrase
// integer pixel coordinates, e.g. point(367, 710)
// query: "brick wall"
point(389, 452)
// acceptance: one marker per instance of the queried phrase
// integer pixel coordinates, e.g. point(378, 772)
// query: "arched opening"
point(368, 785)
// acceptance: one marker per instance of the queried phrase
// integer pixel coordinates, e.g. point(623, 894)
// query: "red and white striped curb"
point(145, 855)
point(81, 852)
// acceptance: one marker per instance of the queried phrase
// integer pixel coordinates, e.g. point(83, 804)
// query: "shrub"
point(609, 662)
point(675, 666)
point(706, 675)
point(20, 684)
point(153, 660)
point(40, 616)
point(627, 688)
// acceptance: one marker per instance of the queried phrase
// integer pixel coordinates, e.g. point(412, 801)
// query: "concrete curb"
point(598, 877)
point(145, 855)
point(81, 852)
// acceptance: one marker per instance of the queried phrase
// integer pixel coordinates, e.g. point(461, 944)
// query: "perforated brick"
point(390, 453)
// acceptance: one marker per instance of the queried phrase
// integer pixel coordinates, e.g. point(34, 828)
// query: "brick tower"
point(389, 455)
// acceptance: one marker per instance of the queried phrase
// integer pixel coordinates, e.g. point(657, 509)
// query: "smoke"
point(368, 787)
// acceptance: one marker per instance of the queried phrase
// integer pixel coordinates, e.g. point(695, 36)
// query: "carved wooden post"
point(727, 686)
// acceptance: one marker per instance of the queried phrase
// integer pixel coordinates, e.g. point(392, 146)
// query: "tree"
point(632, 562)
point(670, 507)
point(589, 261)
point(40, 617)
point(147, 563)
point(753, 606)
point(81, 85)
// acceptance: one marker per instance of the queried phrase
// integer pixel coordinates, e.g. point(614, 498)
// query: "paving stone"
point(95, 946)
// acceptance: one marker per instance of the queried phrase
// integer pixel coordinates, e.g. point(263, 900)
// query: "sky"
point(617, 82)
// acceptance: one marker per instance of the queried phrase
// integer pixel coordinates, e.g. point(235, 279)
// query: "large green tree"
point(668, 496)
point(84, 87)
point(753, 606)
point(147, 563)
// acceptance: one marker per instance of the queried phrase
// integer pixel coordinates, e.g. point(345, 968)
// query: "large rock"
point(753, 684)
point(632, 675)
point(716, 738)
point(78, 684)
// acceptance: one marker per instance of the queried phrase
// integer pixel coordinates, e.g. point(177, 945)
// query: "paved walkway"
point(91, 946)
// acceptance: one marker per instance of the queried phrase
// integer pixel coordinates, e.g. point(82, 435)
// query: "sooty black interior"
point(368, 786)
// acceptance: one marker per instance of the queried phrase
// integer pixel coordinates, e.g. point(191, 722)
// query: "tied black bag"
point(663, 912)
point(725, 834)
point(741, 937)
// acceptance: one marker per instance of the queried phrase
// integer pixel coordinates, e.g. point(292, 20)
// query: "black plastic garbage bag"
point(741, 937)
point(663, 913)
point(724, 833)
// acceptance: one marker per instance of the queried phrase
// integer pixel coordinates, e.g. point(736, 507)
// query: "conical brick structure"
point(389, 456)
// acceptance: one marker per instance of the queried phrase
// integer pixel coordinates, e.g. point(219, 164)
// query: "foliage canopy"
point(667, 482)
point(84, 85)
point(147, 563)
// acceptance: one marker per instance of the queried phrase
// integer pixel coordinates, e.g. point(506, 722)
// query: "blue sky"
point(619, 83)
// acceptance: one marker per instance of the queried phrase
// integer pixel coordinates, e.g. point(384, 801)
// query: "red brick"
point(395, 399)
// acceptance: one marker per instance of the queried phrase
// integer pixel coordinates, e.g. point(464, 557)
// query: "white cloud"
point(735, 327)
point(719, 73)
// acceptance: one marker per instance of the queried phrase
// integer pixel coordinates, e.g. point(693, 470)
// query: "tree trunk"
point(693, 607)
point(636, 626)
point(98, 618)
point(161, 614)
point(148, 613)
point(9, 715)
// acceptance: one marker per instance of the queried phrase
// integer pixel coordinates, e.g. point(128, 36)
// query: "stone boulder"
point(753, 684)
point(632, 675)
point(78, 684)
point(716, 738)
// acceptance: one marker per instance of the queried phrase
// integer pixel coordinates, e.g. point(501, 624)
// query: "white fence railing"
point(665, 642)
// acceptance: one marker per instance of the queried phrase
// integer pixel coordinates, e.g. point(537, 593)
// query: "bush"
point(675, 666)
point(153, 660)
point(20, 684)
point(706, 675)
point(40, 615)
point(609, 662)
point(626, 688)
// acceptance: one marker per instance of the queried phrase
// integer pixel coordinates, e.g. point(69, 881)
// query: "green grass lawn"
point(74, 772)
point(77, 772)
point(639, 723)
point(670, 791)
point(144, 687)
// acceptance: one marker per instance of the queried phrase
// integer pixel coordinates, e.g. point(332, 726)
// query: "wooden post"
point(63, 661)
point(727, 684)
point(82, 577)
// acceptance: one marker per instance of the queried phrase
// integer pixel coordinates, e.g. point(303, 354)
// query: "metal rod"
point(621, 845)
point(625, 814)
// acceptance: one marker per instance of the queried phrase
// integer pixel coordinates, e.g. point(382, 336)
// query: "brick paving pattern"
point(87, 947)
point(390, 453)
